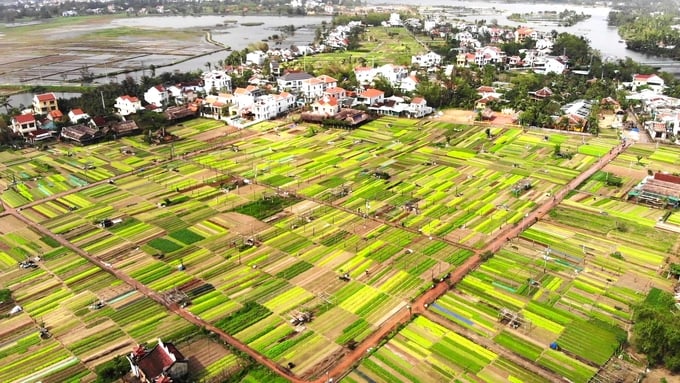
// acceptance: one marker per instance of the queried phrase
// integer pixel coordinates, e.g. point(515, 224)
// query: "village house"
point(394, 74)
point(371, 97)
point(336, 92)
point(82, 134)
point(541, 94)
point(418, 108)
point(555, 65)
point(272, 105)
point(313, 88)
point(125, 128)
point(157, 96)
point(575, 115)
point(256, 58)
point(217, 106)
point(127, 105)
point(364, 75)
point(292, 81)
point(326, 106)
point(44, 103)
point(409, 84)
point(652, 81)
point(77, 115)
point(55, 115)
point(429, 59)
point(489, 55)
point(216, 81)
point(524, 33)
point(24, 124)
point(163, 360)
point(397, 107)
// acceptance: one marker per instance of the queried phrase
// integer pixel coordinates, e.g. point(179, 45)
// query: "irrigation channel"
point(349, 359)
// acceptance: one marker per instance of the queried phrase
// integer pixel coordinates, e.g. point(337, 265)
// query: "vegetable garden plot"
point(427, 352)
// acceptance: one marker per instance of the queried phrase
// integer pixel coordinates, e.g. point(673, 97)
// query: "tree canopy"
point(657, 330)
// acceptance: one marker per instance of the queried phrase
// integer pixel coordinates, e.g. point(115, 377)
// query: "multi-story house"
point(216, 81)
point(44, 103)
point(292, 81)
point(127, 105)
point(157, 96)
point(272, 105)
point(371, 97)
point(429, 59)
point(24, 124)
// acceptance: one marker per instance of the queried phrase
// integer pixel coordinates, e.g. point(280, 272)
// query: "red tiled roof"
point(370, 93)
point(24, 118)
point(130, 98)
point(642, 77)
point(46, 97)
point(158, 360)
point(77, 111)
point(56, 113)
point(336, 89)
point(327, 79)
point(332, 101)
point(486, 89)
point(418, 100)
point(667, 178)
point(362, 69)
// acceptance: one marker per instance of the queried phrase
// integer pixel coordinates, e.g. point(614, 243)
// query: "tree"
point(656, 331)
point(574, 47)
point(86, 76)
point(5, 295)
point(112, 370)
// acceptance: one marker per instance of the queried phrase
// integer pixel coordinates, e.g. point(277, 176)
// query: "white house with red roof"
point(313, 88)
point(76, 115)
point(337, 92)
point(489, 55)
point(371, 96)
point(409, 84)
point(127, 105)
point(654, 82)
point(159, 363)
point(418, 108)
point(24, 124)
point(44, 103)
point(523, 33)
point(326, 106)
point(364, 75)
point(157, 96)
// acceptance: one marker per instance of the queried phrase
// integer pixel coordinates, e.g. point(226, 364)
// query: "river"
point(601, 36)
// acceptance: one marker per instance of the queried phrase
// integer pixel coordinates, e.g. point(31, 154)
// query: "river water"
point(601, 36)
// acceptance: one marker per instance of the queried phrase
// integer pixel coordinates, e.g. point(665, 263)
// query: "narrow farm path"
point(399, 318)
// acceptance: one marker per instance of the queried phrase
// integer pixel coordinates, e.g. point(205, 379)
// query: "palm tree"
point(4, 102)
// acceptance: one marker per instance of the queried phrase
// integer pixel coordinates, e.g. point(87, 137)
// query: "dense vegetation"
point(112, 370)
point(657, 330)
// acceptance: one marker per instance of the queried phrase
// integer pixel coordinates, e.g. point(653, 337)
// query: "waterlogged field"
point(256, 225)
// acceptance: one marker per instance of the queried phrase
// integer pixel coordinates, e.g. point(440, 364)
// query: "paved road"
point(400, 317)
